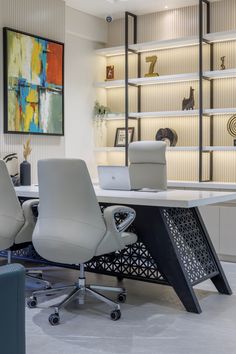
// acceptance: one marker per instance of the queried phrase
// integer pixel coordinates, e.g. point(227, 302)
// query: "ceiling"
point(116, 8)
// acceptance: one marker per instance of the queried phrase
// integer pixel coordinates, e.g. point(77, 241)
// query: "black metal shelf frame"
point(201, 80)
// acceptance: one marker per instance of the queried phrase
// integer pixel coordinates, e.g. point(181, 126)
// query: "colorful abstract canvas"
point(33, 85)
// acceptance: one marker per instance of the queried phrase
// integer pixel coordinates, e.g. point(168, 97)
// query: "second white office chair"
point(72, 230)
point(148, 165)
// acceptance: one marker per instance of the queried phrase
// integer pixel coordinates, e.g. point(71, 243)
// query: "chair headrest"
point(147, 152)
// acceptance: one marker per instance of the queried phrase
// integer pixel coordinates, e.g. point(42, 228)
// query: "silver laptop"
point(114, 177)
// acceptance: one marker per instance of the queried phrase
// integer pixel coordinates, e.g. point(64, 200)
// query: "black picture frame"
point(120, 136)
point(5, 83)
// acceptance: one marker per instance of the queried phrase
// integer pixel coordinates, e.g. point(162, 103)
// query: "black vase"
point(25, 173)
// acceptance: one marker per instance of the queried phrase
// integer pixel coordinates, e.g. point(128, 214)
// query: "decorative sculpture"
point(231, 126)
point(188, 103)
point(222, 66)
point(152, 60)
point(168, 135)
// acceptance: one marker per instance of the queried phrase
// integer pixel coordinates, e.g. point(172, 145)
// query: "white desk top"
point(169, 198)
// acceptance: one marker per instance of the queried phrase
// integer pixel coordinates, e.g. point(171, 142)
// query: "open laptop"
point(114, 177)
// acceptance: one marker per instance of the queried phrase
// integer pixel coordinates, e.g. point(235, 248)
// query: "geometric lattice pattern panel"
point(190, 243)
point(132, 262)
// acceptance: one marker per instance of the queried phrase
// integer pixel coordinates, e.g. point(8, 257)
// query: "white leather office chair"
point(148, 165)
point(72, 230)
point(16, 222)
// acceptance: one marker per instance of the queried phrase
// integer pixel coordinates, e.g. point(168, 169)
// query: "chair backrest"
point(70, 224)
point(11, 214)
point(148, 165)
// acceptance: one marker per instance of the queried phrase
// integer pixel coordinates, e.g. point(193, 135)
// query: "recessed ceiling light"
point(166, 7)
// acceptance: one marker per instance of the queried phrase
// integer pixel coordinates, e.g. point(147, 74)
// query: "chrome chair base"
point(80, 290)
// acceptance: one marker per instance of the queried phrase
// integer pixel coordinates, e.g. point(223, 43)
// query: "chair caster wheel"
point(115, 315)
point(32, 302)
point(54, 319)
point(121, 298)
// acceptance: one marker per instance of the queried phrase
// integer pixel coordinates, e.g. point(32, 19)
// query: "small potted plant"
point(100, 112)
point(25, 167)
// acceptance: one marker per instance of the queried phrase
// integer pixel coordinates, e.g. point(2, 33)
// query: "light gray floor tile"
point(153, 322)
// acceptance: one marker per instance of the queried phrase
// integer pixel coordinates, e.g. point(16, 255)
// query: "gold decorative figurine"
point(27, 149)
point(152, 60)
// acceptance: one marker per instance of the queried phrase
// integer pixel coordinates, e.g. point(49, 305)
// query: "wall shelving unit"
point(203, 79)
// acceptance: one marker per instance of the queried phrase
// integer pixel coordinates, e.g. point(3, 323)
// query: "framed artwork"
point(110, 72)
point(33, 84)
point(120, 136)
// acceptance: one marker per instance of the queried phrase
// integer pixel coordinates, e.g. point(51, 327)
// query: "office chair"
point(72, 230)
point(17, 222)
point(148, 165)
point(12, 309)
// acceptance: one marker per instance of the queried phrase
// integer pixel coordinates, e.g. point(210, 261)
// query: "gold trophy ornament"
point(152, 60)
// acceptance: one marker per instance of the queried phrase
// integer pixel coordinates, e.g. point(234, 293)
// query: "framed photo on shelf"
point(110, 72)
point(120, 136)
point(33, 84)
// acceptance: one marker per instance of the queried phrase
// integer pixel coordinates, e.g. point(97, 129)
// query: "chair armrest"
point(25, 234)
point(27, 210)
point(110, 220)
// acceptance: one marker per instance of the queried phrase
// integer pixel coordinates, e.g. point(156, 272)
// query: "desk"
point(173, 245)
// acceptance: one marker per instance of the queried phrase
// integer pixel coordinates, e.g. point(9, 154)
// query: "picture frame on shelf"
point(33, 84)
point(110, 72)
point(120, 136)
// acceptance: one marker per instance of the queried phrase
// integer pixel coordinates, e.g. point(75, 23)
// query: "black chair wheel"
point(115, 315)
point(32, 302)
point(121, 298)
point(54, 319)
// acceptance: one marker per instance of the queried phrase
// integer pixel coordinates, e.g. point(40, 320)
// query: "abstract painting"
point(33, 84)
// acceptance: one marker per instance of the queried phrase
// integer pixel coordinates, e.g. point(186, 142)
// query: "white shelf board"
point(109, 149)
point(220, 74)
point(164, 79)
point(111, 51)
point(194, 112)
point(219, 148)
point(165, 44)
point(149, 46)
point(182, 148)
point(110, 84)
point(114, 116)
point(220, 36)
point(220, 111)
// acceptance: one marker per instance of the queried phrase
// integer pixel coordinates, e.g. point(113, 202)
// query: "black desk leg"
point(220, 281)
point(179, 244)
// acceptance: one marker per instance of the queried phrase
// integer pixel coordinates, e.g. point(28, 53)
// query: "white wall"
point(84, 33)
point(45, 18)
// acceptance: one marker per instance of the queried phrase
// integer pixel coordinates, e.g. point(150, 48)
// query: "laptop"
point(114, 177)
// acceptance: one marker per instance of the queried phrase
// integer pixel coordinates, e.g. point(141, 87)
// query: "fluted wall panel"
point(158, 26)
point(45, 18)
point(224, 166)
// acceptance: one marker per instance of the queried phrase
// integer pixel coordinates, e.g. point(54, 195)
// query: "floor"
point(153, 322)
